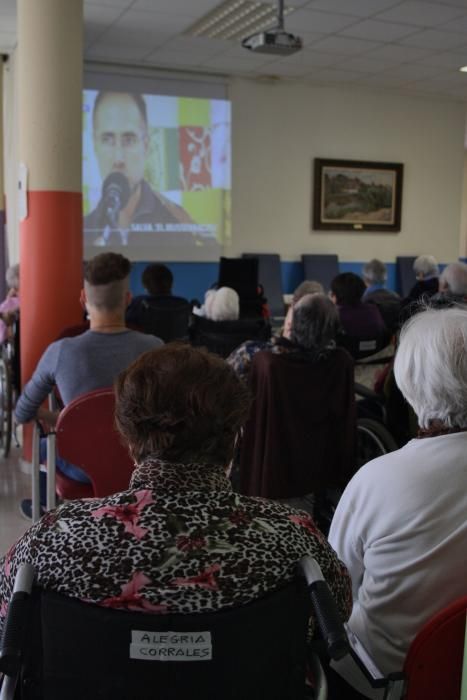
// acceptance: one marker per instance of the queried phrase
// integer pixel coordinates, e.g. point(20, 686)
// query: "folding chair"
point(86, 437)
point(56, 647)
point(270, 277)
point(433, 667)
point(322, 268)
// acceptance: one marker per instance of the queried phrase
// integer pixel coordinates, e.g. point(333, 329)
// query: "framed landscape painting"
point(357, 195)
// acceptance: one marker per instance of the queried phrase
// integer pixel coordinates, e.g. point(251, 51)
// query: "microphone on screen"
point(115, 195)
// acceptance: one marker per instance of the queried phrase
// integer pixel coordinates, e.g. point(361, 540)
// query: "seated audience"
point(400, 526)
point(92, 360)
point(178, 540)
point(221, 304)
point(157, 279)
point(375, 276)
point(360, 321)
point(241, 358)
point(9, 307)
point(305, 287)
point(427, 275)
point(299, 440)
point(452, 286)
point(217, 326)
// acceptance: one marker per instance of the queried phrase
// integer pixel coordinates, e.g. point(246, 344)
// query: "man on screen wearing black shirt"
point(121, 144)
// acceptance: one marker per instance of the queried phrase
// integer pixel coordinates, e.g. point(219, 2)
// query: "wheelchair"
point(9, 388)
point(55, 647)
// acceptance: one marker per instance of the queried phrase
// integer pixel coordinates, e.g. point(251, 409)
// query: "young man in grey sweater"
point(88, 361)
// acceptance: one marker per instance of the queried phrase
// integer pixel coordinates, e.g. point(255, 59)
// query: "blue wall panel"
point(192, 279)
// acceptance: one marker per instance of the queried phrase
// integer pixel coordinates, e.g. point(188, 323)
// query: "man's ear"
point(82, 299)
point(128, 298)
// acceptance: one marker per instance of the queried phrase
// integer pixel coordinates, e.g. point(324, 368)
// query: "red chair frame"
point(86, 437)
point(433, 666)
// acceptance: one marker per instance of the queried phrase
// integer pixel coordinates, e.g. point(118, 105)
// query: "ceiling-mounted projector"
point(274, 41)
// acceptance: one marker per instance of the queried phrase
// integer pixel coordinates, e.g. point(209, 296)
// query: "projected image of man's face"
point(120, 137)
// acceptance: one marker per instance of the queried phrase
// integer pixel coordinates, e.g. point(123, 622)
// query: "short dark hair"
point(315, 323)
point(181, 404)
point(106, 268)
point(135, 96)
point(348, 288)
point(106, 281)
point(157, 279)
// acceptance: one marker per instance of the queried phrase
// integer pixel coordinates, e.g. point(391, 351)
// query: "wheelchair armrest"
point(325, 609)
point(365, 662)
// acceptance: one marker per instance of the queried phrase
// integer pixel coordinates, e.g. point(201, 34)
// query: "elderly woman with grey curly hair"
point(179, 539)
point(401, 525)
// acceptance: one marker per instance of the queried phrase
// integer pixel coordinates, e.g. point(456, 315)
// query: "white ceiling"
point(410, 46)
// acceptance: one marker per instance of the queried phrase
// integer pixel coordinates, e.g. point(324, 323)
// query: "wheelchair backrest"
point(79, 650)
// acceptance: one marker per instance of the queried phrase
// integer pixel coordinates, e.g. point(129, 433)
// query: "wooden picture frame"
point(357, 195)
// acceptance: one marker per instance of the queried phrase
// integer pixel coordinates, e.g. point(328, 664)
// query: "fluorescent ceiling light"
point(463, 69)
point(235, 19)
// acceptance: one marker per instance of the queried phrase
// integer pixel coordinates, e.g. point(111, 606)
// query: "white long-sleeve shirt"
point(401, 530)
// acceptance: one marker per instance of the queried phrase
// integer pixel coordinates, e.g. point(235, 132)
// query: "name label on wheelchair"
point(171, 646)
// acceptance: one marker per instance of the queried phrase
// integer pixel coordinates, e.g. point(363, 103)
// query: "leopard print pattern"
point(178, 540)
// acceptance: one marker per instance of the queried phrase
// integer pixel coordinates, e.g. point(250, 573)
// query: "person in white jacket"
point(400, 526)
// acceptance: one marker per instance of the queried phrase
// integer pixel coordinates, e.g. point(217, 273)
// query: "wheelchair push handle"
point(16, 621)
point(325, 609)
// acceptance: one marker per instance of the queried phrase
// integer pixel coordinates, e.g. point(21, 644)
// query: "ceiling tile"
point(364, 64)
point(116, 52)
point(446, 59)
point(396, 54)
point(458, 25)
point(167, 55)
point(148, 38)
point(310, 59)
point(174, 59)
point(358, 8)
point(421, 14)
point(187, 7)
point(433, 39)
point(437, 86)
point(101, 15)
point(195, 43)
point(383, 81)
point(310, 37)
point(315, 59)
point(344, 45)
point(122, 4)
point(284, 68)
point(226, 62)
point(414, 71)
point(311, 20)
point(331, 75)
point(453, 3)
point(155, 21)
point(92, 32)
point(236, 50)
point(378, 31)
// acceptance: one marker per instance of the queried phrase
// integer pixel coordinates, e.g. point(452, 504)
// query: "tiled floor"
point(14, 485)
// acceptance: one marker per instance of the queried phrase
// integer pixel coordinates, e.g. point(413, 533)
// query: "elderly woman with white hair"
point(426, 271)
point(401, 525)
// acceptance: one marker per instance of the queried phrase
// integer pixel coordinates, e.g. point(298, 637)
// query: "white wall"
point(279, 128)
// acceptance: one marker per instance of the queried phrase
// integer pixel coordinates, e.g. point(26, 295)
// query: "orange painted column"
point(50, 64)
